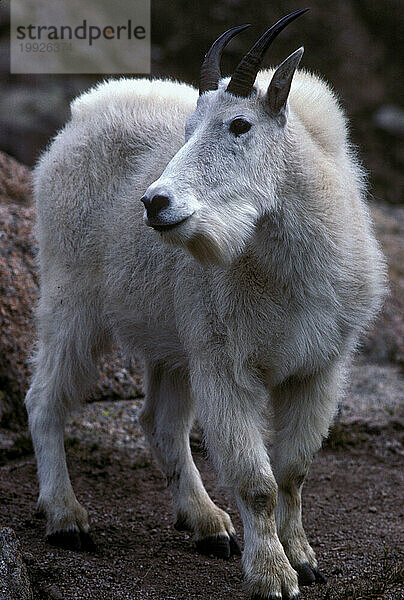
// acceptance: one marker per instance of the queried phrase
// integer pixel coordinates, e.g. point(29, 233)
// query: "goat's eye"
point(239, 126)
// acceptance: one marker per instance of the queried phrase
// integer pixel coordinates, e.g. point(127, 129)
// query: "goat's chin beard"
point(208, 250)
point(205, 248)
point(212, 243)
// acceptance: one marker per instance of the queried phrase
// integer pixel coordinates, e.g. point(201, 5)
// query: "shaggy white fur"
point(255, 300)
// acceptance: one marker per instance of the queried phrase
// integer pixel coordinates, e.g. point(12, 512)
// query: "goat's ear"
point(279, 88)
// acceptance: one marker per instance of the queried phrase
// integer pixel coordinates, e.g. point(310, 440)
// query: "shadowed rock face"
point(19, 291)
point(385, 341)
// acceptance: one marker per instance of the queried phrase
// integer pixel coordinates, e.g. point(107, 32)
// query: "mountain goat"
point(243, 282)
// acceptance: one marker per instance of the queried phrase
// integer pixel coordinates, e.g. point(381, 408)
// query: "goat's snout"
point(155, 204)
point(159, 212)
point(162, 211)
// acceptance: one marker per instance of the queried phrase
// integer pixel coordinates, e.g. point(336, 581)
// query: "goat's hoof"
point(319, 576)
point(72, 540)
point(234, 545)
point(305, 574)
point(220, 545)
point(308, 575)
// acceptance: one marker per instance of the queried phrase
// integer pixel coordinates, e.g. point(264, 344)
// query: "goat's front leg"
point(227, 412)
point(303, 409)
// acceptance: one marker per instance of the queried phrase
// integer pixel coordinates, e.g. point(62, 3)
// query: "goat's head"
point(225, 177)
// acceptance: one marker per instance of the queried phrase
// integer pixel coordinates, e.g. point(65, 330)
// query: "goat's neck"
point(291, 244)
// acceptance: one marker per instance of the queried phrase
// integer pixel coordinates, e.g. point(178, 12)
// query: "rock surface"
point(15, 181)
point(374, 398)
point(14, 581)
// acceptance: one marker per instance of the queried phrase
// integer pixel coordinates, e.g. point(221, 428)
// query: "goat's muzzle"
point(158, 213)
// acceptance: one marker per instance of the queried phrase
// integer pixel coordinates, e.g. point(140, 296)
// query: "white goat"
point(267, 196)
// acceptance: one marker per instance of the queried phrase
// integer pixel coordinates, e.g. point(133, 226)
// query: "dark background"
point(356, 45)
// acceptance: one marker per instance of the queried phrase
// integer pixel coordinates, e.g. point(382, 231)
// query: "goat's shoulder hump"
point(317, 107)
point(124, 93)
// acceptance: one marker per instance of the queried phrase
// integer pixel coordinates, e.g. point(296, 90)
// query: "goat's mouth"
point(167, 226)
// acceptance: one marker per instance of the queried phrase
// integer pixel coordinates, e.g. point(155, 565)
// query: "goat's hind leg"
point(167, 418)
point(64, 370)
point(303, 410)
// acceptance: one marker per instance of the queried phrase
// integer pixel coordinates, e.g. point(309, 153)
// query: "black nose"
point(155, 204)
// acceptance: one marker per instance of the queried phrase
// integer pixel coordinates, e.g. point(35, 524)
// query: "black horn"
point(210, 69)
point(243, 79)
